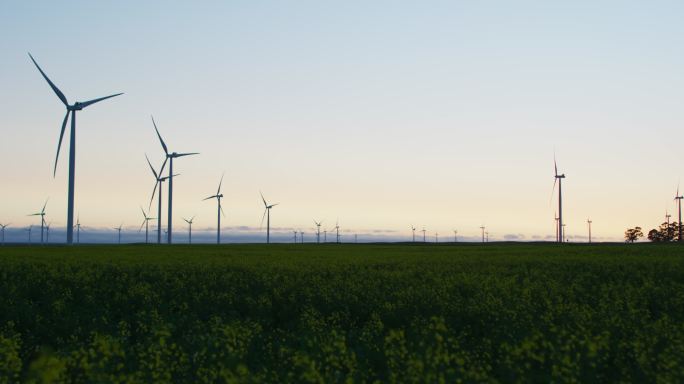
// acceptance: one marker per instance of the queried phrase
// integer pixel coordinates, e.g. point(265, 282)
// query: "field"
point(342, 313)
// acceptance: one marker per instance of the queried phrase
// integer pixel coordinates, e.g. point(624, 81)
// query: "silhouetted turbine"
point(3, 226)
point(559, 178)
point(42, 220)
point(267, 213)
point(170, 157)
point(218, 196)
point(190, 228)
point(146, 223)
point(77, 106)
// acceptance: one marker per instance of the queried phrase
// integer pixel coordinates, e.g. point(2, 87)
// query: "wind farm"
point(419, 136)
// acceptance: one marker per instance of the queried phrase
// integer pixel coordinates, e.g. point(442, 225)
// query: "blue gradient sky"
point(384, 113)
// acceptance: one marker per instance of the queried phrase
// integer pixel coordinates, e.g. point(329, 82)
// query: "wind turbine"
point(589, 223)
point(679, 198)
point(146, 223)
point(190, 228)
point(295, 237)
point(218, 196)
point(482, 227)
point(159, 180)
point(70, 109)
point(42, 220)
point(413, 230)
point(487, 236)
point(325, 236)
point(559, 179)
point(267, 213)
point(170, 157)
point(423, 234)
point(119, 230)
point(337, 231)
point(29, 232)
point(47, 233)
point(436, 237)
point(3, 226)
point(78, 230)
point(455, 237)
point(318, 232)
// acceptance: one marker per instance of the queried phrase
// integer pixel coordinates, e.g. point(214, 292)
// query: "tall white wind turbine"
point(170, 157)
point(118, 229)
point(70, 109)
point(267, 214)
point(218, 196)
point(318, 231)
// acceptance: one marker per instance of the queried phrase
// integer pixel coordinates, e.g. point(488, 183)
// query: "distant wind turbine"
point(3, 226)
point(589, 224)
point(487, 236)
point(559, 179)
point(47, 233)
point(78, 230)
point(455, 236)
point(318, 231)
point(146, 223)
point(29, 232)
point(158, 186)
point(483, 233)
point(423, 234)
point(42, 220)
point(337, 231)
point(267, 214)
point(413, 230)
point(436, 237)
point(71, 109)
point(295, 237)
point(218, 196)
point(678, 198)
point(118, 229)
point(170, 157)
point(325, 235)
point(190, 228)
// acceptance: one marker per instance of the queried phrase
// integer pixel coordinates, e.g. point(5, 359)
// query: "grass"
point(342, 313)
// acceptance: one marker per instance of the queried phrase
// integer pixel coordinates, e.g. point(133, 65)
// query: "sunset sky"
point(384, 114)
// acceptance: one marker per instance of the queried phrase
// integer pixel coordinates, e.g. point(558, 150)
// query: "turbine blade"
point(52, 85)
point(262, 219)
point(156, 183)
point(45, 205)
point(143, 212)
point(186, 154)
point(59, 143)
point(218, 192)
point(223, 213)
point(142, 225)
point(90, 102)
point(210, 197)
point(166, 151)
point(161, 171)
point(262, 198)
point(553, 190)
point(156, 177)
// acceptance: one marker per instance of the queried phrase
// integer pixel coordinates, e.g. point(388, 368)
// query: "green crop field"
point(342, 313)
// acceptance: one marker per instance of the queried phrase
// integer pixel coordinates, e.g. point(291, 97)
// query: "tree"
point(664, 233)
point(633, 234)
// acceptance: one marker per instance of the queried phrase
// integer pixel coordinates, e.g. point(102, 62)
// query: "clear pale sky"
point(443, 114)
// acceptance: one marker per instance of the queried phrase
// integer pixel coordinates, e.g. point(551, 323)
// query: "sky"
point(377, 114)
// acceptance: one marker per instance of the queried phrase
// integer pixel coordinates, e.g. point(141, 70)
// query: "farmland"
point(342, 313)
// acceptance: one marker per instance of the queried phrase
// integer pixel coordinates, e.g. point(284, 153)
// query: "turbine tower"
point(3, 226)
point(482, 227)
point(267, 213)
point(70, 109)
point(190, 228)
point(455, 236)
point(218, 196)
point(337, 231)
point(47, 232)
point(413, 230)
point(146, 223)
point(29, 232)
point(170, 157)
point(678, 198)
point(559, 179)
point(42, 220)
point(119, 230)
point(423, 234)
point(318, 231)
